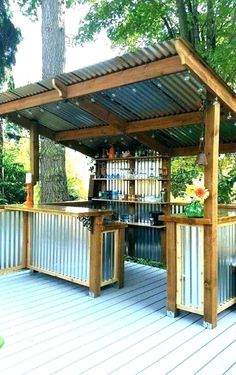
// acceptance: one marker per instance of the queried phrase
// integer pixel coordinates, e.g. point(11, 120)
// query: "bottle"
point(163, 195)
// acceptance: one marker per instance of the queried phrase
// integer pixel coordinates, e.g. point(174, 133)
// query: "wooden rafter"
point(208, 77)
point(224, 148)
point(102, 113)
point(151, 143)
point(132, 75)
point(133, 127)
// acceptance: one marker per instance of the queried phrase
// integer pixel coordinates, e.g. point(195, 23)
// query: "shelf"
point(134, 158)
point(127, 201)
point(131, 179)
point(146, 225)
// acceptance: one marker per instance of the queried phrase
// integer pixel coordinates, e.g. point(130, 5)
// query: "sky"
point(28, 58)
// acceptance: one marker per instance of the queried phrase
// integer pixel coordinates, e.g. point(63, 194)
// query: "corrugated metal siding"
point(147, 243)
point(108, 256)
point(11, 239)
point(227, 256)
point(60, 244)
point(190, 265)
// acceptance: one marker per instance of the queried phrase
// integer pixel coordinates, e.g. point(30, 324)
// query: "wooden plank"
point(212, 127)
point(143, 72)
point(119, 261)
point(133, 127)
point(25, 244)
point(151, 143)
point(34, 154)
point(182, 219)
point(224, 148)
point(171, 268)
point(102, 113)
point(95, 258)
point(209, 78)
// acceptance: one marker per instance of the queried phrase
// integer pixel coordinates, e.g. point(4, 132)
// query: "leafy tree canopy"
point(210, 26)
point(9, 38)
point(31, 7)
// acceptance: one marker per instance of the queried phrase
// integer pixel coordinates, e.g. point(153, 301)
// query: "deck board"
point(53, 327)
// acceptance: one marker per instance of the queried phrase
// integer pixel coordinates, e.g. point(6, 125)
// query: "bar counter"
point(72, 243)
point(192, 270)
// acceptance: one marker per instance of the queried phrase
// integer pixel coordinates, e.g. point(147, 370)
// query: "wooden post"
point(212, 126)
point(120, 239)
point(34, 154)
point(171, 269)
point(95, 271)
point(25, 243)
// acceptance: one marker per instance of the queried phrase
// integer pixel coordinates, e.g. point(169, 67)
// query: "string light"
point(229, 116)
point(187, 76)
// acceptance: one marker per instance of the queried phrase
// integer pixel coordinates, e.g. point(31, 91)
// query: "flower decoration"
point(196, 192)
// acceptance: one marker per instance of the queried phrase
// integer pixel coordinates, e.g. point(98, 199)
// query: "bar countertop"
point(63, 210)
point(225, 215)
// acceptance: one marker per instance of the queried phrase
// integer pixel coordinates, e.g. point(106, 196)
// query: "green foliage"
point(9, 38)
point(31, 8)
point(183, 171)
point(227, 179)
point(146, 262)
point(12, 181)
point(210, 26)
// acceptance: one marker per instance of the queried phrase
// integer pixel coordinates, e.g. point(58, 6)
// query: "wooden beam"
point(224, 148)
point(133, 127)
point(212, 129)
point(34, 154)
point(209, 78)
point(166, 122)
point(102, 113)
point(152, 143)
point(171, 269)
point(143, 72)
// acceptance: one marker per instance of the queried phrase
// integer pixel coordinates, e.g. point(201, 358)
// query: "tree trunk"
point(183, 20)
point(52, 156)
point(210, 34)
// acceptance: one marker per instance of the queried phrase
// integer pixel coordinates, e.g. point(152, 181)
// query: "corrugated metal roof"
point(153, 98)
point(126, 61)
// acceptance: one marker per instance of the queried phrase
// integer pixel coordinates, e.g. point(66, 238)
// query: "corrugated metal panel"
point(60, 244)
point(108, 256)
point(147, 243)
point(190, 265)
point(227, 256)
point(11, 239)
point(128, 60)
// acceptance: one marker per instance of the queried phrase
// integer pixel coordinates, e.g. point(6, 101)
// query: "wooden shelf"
point(131, 179)
point(127, 201)
point(146, 225)
point(134, 158)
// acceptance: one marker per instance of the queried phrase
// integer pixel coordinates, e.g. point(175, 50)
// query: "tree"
point(52, 156)
point(210, 26)
point(9, 38)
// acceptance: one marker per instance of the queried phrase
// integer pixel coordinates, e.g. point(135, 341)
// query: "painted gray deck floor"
point(52, 327)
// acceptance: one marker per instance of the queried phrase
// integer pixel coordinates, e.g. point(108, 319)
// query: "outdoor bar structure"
point(132, 114)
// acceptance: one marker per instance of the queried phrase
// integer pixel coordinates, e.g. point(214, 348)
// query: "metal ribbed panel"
point(177, 209)
point(11, 239)
point(108, 256)
point(147, 243)
point(60, 244)
point(227, 256)
point(190, 265)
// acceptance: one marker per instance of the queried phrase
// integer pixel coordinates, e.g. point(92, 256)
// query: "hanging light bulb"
point(229, 116)
point(187, 76)
point(201, 158)
point(215, 101)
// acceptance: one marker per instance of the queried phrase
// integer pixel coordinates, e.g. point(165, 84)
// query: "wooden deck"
point(53, 327)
